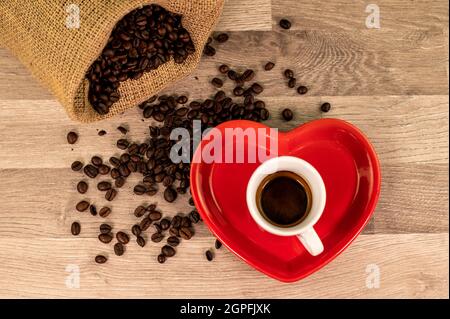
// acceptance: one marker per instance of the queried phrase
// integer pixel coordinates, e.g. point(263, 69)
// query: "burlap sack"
point(36, 32)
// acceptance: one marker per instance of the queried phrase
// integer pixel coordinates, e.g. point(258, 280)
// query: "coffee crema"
point(284, 199)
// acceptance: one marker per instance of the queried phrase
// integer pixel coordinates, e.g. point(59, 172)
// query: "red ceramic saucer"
point(349, 168)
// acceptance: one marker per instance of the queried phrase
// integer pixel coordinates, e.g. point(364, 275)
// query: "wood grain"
point(246, 15)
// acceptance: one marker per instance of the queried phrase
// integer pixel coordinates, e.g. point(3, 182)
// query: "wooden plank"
point(410, 266)
point(246, 15)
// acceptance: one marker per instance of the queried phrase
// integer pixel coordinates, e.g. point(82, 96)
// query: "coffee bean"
point(136, 230)
point(101, 133)
point(194, 216)
point(182, 99)
point(76, 166)
point(285, 24)
point(232, 75)
point(185, 233)
point(157, 237)
point(224, 69)
point(154, 215)
point(123, 144)
point(119, 182)
point(115, 173)
point(105, 229)
point(139, 189)
point(104, 212)
point(248, 75)
point(96, 160)
point(105, 238)
point(222, 38)
point(302, 90)
point(173, 241)
point(139, 211)
point(104, 186)
point(191, 202)
point(287, 114)
point(114, 161)
point(161, 258)
point(168, 251)
point(122, 130)
point(209, 50)
point(170, 194)
point(257, 88)
point(145, 223)
point(75, 228)
point(72, 137)
point(238, 91)
point(104, 169)
point(288, 73)
point(217, 244)
point(119, 249)
point(157, 227)
point(110, 194)
point(100, 259)
point(82, 187)
point(325, 107)
point(122, 237)
point(165, 224)
point(186, 222)
point(140, 241)
point(174, 232)
point(292, 82)
point(91, 171)
point(93, 210)
point(82, 206)
point(176, 221)
point(209, 255)
point(269, 66)
point(218, 83)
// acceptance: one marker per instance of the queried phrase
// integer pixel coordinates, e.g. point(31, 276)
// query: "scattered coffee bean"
point(140, 241)
point(104, 186)
point(82, 187)
point(122, 237)
point(302, 90)
point(140, 211)
point(145, 223)
point(82, 206)
point(176, 222)
point(122, 130)
point(140, 189)
point(105, 229)
point(292, 82)
point(185, 233)
point(123, 144)
point(248, 75)
point(173, 241)
point(157, 237)
point(170, 194)
point(217, 244)
point(285, 24)
point(194, 216)
point(75, 228)
point(161, 258)
point(104, 169)
point(100, 259)
point(119, 182)
point(105, 238)
point(191, 202)
point(111, 194)
point(224, 69)
point(104, 212)
point(91, 171)
point(209, 255)
point(174, 232)
point(72, 137)
point(257, 88)
point(222, 38)
point(287, 114)
point(288, 73)
point(269, 66)
point(218, 83)
point(119, 249)
point(96, 160)
point(101, 132)
point(93, 210)
point(168, 251)
point(77, 166)
point(209, 50)
point(136, 230)
point(165, 224)
point(325, 107)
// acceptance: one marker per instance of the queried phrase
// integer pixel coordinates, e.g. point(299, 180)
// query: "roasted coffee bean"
point(104, 169)
point(157, 237)
point(248, 75)
point(269, 66)
point(173, 241)
point(170, 194)
point(224, 69)
point(191, 202)
point(174, 232)
point(139, 211)
point(176, 221)
point(145, 223)
point(101, 133)
point(104, 186)
point(288, 73)
point(119, 249)
point(209, 50)
point(218, 83)
point(257, 88)
point(186, 221)
point(222, 38)
point(122, 237)
point(209, 255)
point(264, 114)
point(151, 207)
point(285, 24)
point(105, 229)
point(72, 137)
point(75, 228)
point(154, 215)
point(125, 158)
point(185, 233)
point(122, 130)
point(194, 216)
point(325, 107)
point(123, 144)
point(217, 244)
point(91, 171)
point(136, 230)
point(96, 160)
point(114, 161)
point(105, 238)
point(93, 210)
point(233, 75)
point(82, 187)
point(139, 189)
point(100, 259)
point(157, 227)
point(302, 90)
point(110, 194)
point(287, 114)
point(104, 212)
point(182, 99)
point(119, 182)
point(140, 241)
point(161, 258)
point(292, 82)
point(165, 224)
point(238, 91)
point(82, 206)
point(168, 251)
point(77, 166)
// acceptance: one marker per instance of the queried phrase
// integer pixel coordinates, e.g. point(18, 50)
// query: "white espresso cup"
point(304, 230)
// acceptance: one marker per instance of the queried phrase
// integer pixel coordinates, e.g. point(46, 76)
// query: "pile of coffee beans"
point(140, 42)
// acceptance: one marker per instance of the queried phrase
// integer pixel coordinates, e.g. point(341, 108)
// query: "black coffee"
point(284, 198)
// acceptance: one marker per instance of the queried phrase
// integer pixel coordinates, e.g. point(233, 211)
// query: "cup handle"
point(311, 241)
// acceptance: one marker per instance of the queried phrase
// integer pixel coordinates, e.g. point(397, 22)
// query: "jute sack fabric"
point(59, 56)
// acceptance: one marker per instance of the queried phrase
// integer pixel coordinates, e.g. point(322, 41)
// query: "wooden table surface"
point(391, 82)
